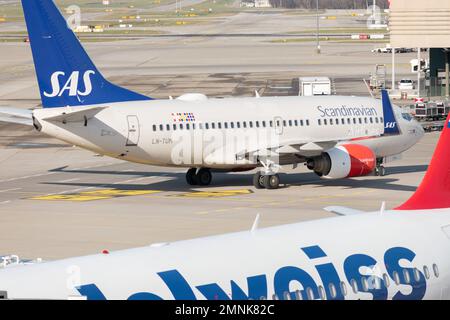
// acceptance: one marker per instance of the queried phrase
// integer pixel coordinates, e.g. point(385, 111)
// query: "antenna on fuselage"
point(255, 224)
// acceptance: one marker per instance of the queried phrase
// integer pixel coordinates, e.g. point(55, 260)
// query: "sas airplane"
point(336, 136)
point(387, 254)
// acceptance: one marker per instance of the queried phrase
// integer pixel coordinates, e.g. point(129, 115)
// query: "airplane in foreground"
point(387, 254)
point(335, 136)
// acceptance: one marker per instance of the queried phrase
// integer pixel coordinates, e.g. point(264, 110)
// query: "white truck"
point(314, 86)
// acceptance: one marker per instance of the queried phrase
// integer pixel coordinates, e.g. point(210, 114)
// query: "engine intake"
point(349, 160)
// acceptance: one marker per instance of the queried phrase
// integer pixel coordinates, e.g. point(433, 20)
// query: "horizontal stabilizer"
point(75, 115)
point(343, 211)
point(16, 115)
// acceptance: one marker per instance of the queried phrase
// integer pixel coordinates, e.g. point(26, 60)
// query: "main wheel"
point(191, 177)
point(272, 181)
point(258, 180)
point(204, 177)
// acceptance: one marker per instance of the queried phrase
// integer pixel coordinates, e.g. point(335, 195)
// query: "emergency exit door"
point(133, 131)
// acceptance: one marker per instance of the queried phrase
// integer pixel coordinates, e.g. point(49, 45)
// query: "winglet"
point(434, 190)
point(390, 123)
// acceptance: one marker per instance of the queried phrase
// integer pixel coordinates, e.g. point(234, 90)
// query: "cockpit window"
point(406, 116)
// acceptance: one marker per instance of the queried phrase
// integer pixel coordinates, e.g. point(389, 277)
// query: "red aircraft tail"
point(434, 191)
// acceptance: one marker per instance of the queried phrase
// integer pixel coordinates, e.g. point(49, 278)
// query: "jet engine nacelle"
point(349, 160)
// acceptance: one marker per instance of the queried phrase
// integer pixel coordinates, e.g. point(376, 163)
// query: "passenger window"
point(322, 294)
point(193, 126)
point(354, 285)
point(207, 126)
point(396, 277)
point(354, 120)
point(319, 122)
point(360, 120)
point(296, 123)
point(386, 280)
point(343, 289)
point(232, 125)
point(333, 291)
point(225, 125)
point(307, 122)
point(325, 121)
point(284, 123)
point(331, 121)
point(365, 284)
point(343, 121)
point(436, 270)
point(168, 127)
point(349, 121)
point(264, 124)
point(371, 120)
point(174, 126)
point(257, 124)
point(154, 127)
point(309, 293)
point(376, 120)
point(250, 124)
point(416, 274)
point(381, 119)
point(426, 272)
point(238, 125)
point(365, 120)
point(181, 126)
point(271, 123)
point(244, 124)
point(406, 276)
point(187, 126)
point(219, 125)
point(161, 127)
point(290, 123)
point(213, 125)
point(301, 122)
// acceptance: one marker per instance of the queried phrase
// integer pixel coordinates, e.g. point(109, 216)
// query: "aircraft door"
point(278, 125)
point(133, 131)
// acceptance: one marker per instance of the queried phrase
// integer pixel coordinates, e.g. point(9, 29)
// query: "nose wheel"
point(380, 171)
point(202, 177)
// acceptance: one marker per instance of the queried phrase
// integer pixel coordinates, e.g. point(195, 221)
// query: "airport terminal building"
point(424, 24)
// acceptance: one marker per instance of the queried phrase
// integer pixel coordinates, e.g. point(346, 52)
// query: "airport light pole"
point(318, 26)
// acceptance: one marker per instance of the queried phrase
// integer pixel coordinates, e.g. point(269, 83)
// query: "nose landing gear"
point(201, 177)
point(380, 170)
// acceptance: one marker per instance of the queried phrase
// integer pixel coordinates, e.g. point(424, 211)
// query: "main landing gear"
point(380, 170)
point(267, 179)
point(200, 177)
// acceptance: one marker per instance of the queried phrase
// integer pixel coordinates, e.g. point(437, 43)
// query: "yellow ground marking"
point(95, 195)
point(69, 197)
point(214, 194)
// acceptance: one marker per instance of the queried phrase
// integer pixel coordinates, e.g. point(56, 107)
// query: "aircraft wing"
point(16, 115)
point(298, 147)
point(343, 211)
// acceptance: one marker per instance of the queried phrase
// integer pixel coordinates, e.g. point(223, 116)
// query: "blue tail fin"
point(65, 73)
point(390, 123)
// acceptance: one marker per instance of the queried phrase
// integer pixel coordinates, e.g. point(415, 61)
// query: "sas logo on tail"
point(390, 125)
point(71, 84)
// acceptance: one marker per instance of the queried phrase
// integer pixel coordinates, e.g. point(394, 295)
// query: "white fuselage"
point(213, 132)
point(389, 255)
